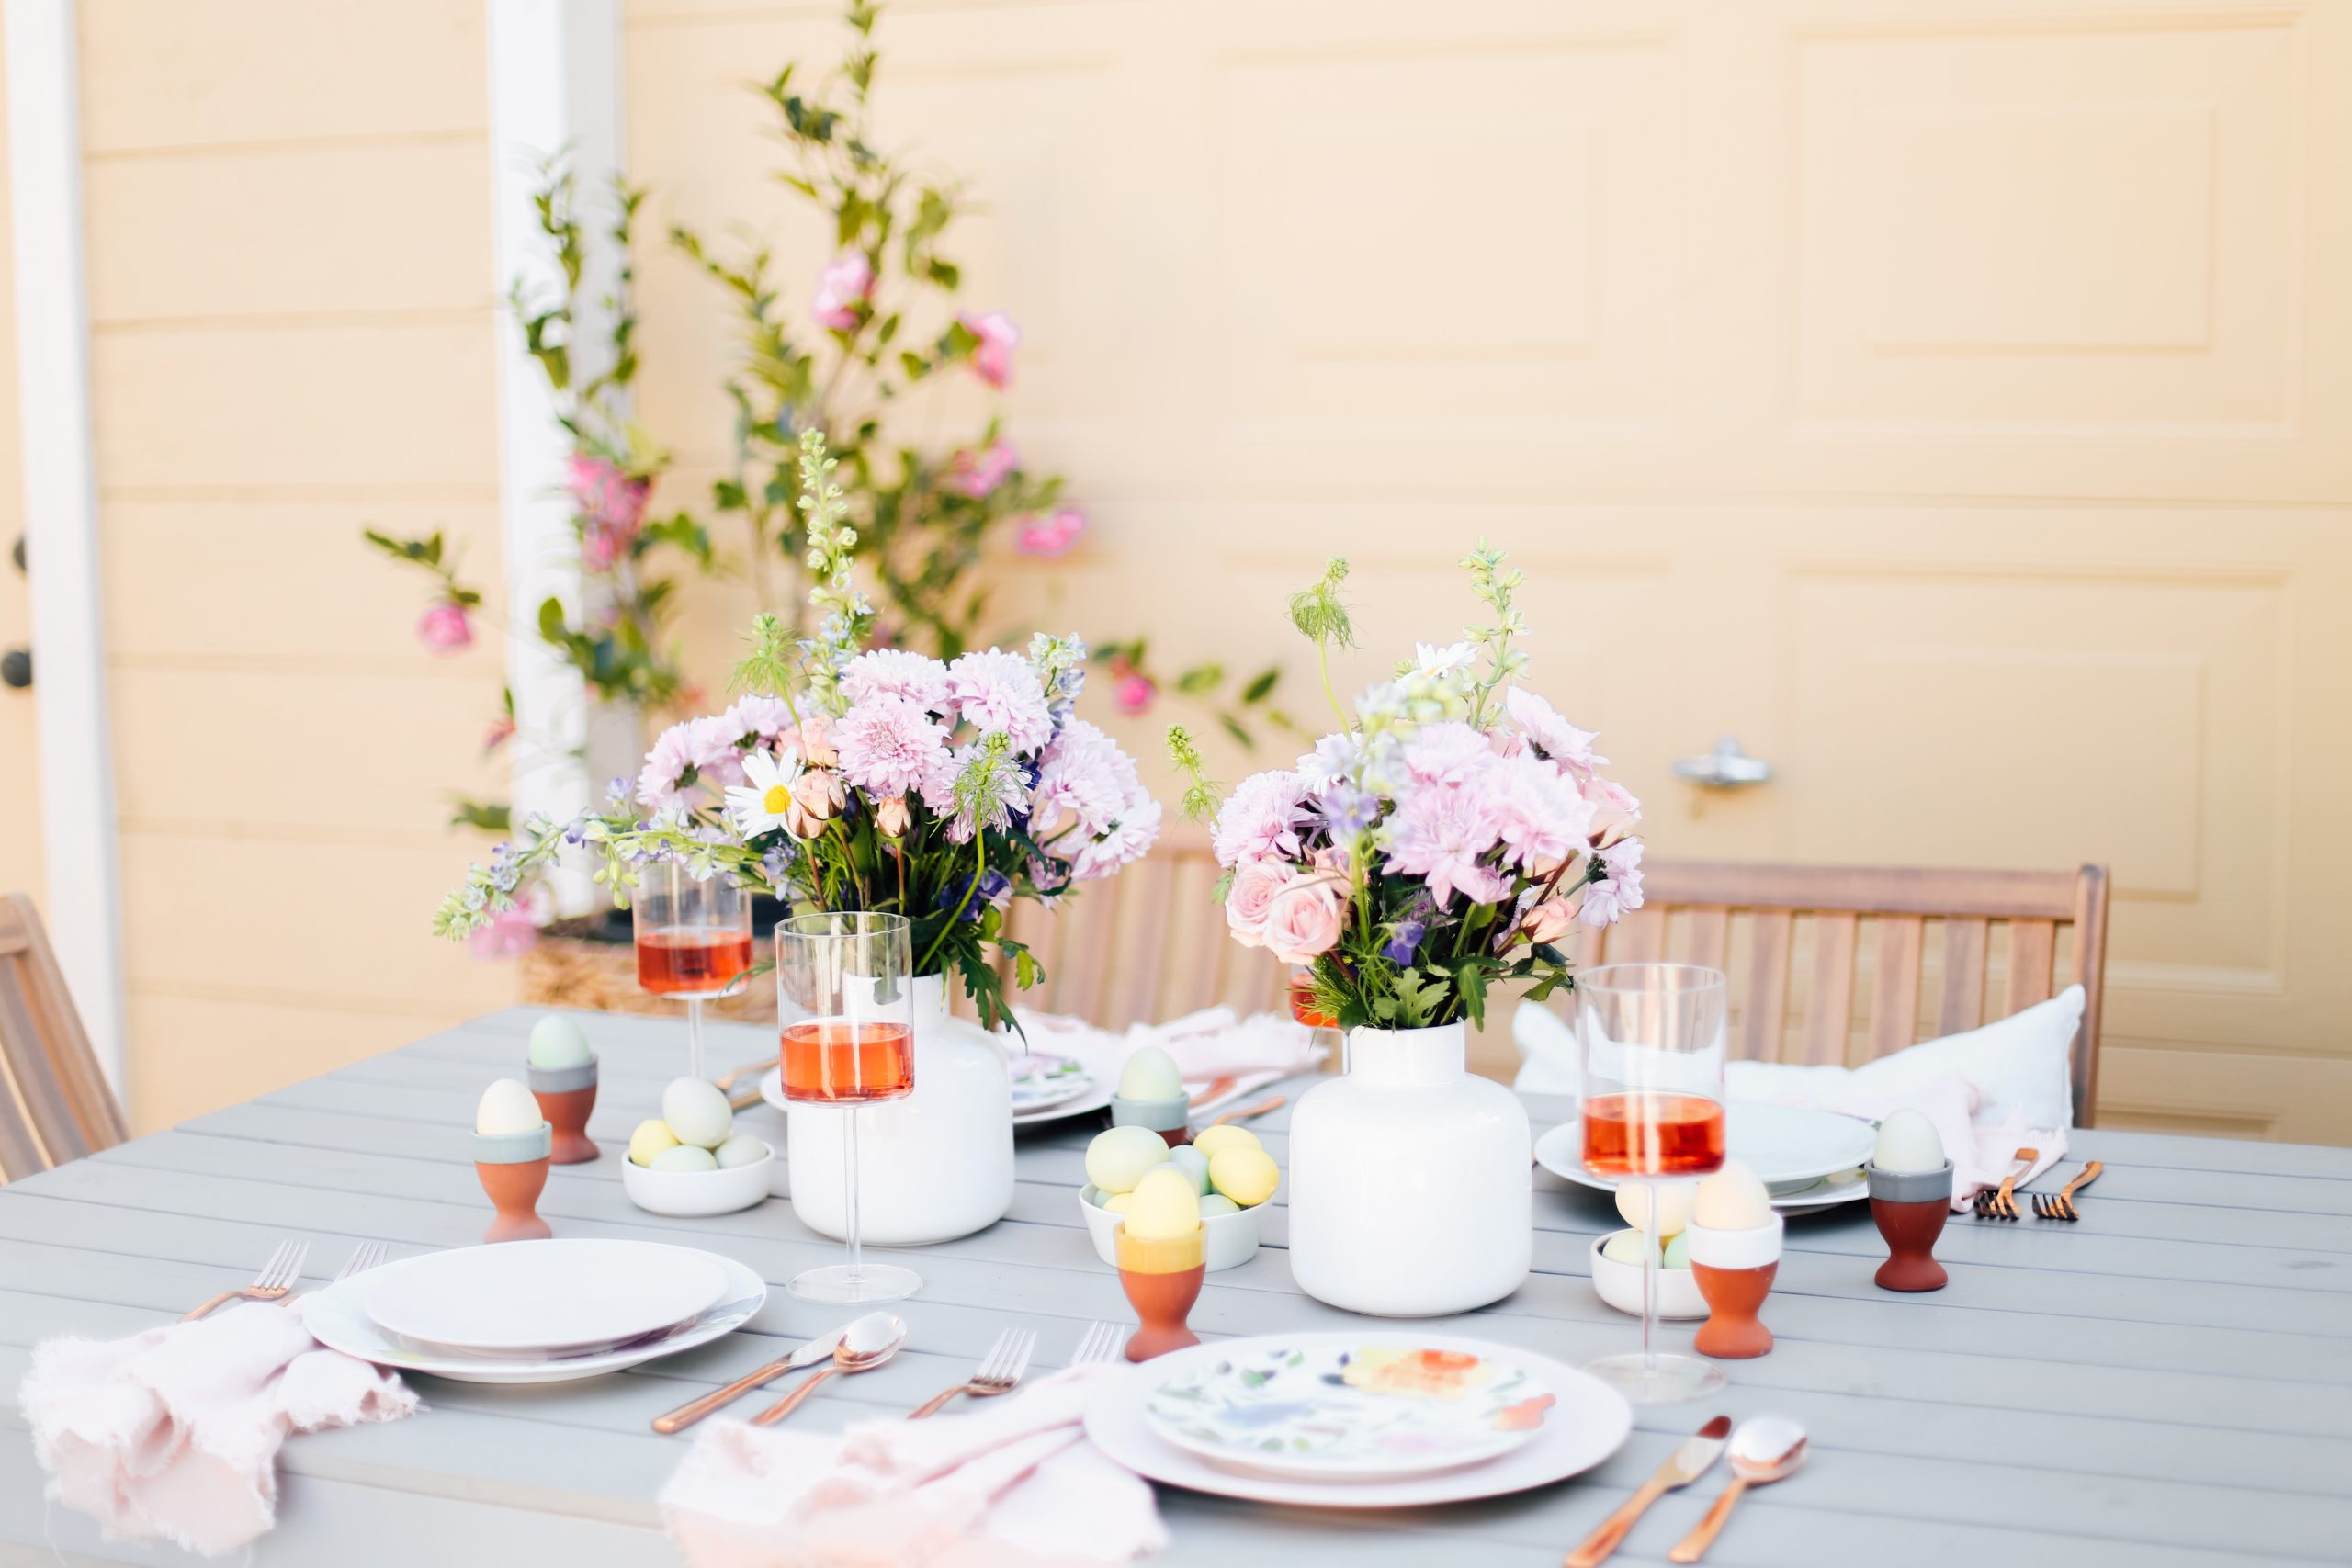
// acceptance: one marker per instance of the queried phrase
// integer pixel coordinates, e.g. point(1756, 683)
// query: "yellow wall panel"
point(20, 845)
point(191, 1055)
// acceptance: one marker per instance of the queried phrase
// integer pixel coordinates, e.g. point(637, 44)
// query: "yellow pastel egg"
point(1117, 1158)
point(1246, 1176)
point(1163, 1205)
point(649, 1139)
point(1117, 1201)
point(1673, 1208)
point(1210, 1141)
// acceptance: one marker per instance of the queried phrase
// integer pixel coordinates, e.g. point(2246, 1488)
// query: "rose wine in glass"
point(694, 941)
point(1650, 1044)
point(844, 997)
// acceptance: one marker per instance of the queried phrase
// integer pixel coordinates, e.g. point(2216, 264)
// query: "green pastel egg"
point(557, 1042)
point(698, 1112)
point(1678, 1252)
point(1117, 1159)
point(1218, 1204)
point(741, 1149)
point(1150, 1073)
point(684, 1157)
point(1192, 1163)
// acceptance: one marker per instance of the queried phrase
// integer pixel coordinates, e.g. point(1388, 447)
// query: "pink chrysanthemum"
point(1538, 814)
point(1559, 739)
point(917, 677)
point(888, 745)
point(1447, 753)
point(998, 694)
point(1262, 819)
point(1083, 778)
point(765, 720)
point(1129, 836)
point(1619, 893)
point(1438, 835)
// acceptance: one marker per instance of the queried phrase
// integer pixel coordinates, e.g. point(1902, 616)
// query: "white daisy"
point(771, 800)
point(1442, 662)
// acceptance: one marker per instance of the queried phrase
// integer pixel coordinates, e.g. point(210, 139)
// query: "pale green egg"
point(741, 1149)
point(1117, 1158)
point(1192, 1163)
point(685, 1156)
point(696, 1112)
point(1625, 1246)
point(1218, 1204)
point(1678, 1252)
point(557, 1042)
point(1150, 1073)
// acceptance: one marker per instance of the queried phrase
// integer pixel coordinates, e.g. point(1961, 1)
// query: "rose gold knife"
point(1685, 1465)
point(817, 1349)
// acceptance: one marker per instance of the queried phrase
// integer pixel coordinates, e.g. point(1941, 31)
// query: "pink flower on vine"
point(843, 289)
point(1135, 694)
point(977, 474)
point(1050, 536)
point(993, 359)
point(445, 627)
point(610, 501)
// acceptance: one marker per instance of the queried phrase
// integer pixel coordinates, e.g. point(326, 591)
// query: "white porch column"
point(77, 805)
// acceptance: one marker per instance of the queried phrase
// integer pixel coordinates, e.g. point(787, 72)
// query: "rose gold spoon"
point(1766, 1449)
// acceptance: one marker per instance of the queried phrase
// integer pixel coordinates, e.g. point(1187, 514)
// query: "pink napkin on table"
point(172, 1434)
point(1980, 1154)
point(1012, 1481)
point(1212, 1043)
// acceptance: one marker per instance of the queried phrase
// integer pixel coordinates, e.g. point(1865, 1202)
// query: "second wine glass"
point(844, 998)
point(694, 941)
point(1650, 1047)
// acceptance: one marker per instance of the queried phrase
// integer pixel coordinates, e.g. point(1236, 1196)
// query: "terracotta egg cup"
point(1162, 1277)
point(513, 1171)
point(566, 1096)
point(1911, 1209)
point(1170, 1117)
point(1734, 1269)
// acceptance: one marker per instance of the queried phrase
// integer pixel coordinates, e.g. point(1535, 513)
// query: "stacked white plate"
point(1367, 1419)
point(1807, 1159)
point(536, 1311)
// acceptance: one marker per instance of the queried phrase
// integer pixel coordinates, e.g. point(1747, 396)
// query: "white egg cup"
point(1227, 1241)
point(697, 1194)
point(1620, 1284)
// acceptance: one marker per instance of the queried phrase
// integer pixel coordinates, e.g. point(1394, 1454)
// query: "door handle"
point(1725, 767)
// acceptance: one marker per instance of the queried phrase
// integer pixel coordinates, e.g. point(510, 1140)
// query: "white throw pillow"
point(2020, 1064)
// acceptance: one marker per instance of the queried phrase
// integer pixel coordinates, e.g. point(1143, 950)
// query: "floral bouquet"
point(1449, 836)
point(852, 778)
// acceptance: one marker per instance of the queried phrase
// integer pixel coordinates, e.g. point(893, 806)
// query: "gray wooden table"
point(2164, 1384)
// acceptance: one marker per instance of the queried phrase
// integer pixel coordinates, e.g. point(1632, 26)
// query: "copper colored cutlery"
point(2060, 1205)
point(999, 1370)
point(1682, 1467)
point(2003, 1205)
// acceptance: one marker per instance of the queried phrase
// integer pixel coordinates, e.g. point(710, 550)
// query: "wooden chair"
point(1809, 921)
point(54, 1103)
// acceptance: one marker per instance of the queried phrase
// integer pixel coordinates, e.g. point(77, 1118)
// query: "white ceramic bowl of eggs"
point(690, 1162)
point(1617, 1258)
point(1230, 1231)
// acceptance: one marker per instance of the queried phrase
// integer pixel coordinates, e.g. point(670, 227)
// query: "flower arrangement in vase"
point(845, 777)
point(1445, 838)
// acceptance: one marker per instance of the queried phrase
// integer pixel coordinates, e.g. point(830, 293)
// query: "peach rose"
point(1548, 921)
point(1305, 920)
point(893, 818)
point(1255, 883)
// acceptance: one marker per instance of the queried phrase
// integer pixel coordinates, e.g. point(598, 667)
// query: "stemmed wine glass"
point(843, 995)
point(1650, 1046)
point(694, 941)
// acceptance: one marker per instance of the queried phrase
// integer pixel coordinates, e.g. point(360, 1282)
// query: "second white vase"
point(1409, 1192)
point(932, 1167)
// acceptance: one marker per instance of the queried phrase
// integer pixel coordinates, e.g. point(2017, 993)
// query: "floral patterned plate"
point(1040, 1080)
point(1365, 1411)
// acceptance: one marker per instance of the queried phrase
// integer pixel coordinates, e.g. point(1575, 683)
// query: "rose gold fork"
point(276, 1279)
point(1275, 1102)
point(2060, 1205)
point(2004, 1205)
point(1003, 1367)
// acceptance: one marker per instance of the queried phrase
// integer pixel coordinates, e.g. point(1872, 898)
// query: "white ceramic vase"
point(1409, 1194)
point(932, 1167)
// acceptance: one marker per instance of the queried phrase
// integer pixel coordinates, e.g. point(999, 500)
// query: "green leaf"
point(1200, 678)
point(1233, 728)
point(1262, 686)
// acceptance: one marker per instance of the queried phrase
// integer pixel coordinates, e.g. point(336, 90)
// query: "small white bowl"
point(692, 1194)
point(1229, 1240)
point(1620, 1285)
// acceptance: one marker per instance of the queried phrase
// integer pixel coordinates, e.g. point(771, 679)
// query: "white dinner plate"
point(1587, 1422)
point(1375, 1410)
point(1094, 1096)
point(528, 1297)
point(337, 1317)
point(1782, 1143)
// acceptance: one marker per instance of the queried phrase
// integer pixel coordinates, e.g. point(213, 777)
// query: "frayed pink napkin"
point(172, 1434)
point(1212, 1043)
point(1013, 1482)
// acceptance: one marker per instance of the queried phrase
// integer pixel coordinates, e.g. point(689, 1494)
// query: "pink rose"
point(1614, 807)
point(444, 627)
point(1305, 920)
point(993, 359)
point(1548, 921)
point(1135, 694)
point(607, 493)
point(1255, 884)
point(977, 474)
point(892, 817)
point(1051, 536)
point(843, 289)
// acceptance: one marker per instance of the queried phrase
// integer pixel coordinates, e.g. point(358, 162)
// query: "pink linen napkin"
point(172, 1434)
point(1012, 1481)
point(1212, 1043)
point(1981, 1154)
